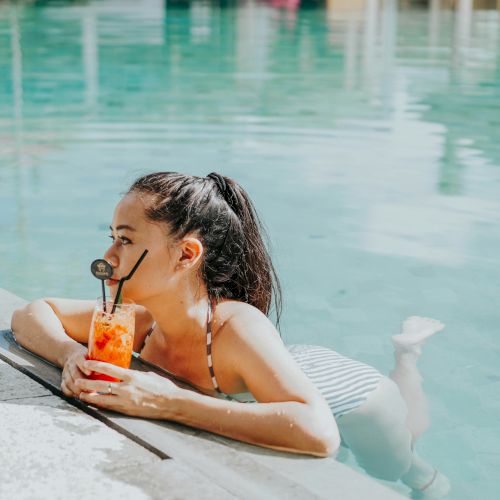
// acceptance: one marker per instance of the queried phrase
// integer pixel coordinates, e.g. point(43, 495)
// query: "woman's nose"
point(111, 257)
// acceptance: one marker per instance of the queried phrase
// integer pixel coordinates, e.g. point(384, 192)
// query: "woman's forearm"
point(288, 426)
point(38, 329)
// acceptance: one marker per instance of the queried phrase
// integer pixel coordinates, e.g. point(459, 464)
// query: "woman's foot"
point(415, 330)
point(439, 487)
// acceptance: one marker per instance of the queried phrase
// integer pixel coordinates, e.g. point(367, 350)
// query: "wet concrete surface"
point(50, 449)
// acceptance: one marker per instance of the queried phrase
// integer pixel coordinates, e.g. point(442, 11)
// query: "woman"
point(203, 294)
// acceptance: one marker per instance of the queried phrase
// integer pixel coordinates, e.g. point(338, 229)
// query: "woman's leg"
point(377, 435)
point(407, 349)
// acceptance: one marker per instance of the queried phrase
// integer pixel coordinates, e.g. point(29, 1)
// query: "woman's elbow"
point(332, 445)
point(16, 320)
point(327, 445)
point(325, 435)
point(20, 318)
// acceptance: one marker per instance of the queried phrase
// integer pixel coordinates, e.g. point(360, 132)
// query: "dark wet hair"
point(236, 263)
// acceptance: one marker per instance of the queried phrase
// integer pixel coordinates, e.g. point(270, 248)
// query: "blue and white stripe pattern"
point(343, 382)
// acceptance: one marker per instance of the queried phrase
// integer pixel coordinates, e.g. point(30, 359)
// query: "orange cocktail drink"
point(111, 336)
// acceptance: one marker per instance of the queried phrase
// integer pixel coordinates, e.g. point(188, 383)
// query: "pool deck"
point(60, 447)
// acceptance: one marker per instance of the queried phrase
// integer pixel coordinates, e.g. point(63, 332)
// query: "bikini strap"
point(150, 331)
point(209, 347)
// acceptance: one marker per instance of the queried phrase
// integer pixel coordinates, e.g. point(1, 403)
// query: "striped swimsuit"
point(343, 382)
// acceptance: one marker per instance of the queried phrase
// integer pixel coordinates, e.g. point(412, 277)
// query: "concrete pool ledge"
point(163, 459)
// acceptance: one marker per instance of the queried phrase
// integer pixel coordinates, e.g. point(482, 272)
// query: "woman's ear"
point(191, 252)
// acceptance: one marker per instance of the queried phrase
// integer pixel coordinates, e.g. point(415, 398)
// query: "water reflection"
point(90, 58)
point(249, 66)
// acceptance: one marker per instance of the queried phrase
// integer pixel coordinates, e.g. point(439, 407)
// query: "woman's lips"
point(111, 282)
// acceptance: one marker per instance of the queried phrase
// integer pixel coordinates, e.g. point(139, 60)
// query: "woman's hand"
point(74, 370)
point(139, 394)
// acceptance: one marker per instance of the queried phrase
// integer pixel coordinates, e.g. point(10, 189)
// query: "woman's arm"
point(56, 328)
point(39, 328)
point(290, 414)
point(287, 426)
point(291, 426)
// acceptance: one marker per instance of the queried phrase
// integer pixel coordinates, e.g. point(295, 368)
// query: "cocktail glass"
point(111, 337)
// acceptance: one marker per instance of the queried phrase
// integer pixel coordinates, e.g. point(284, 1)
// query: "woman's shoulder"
point(237, 307)
point(241, 317)
point(238, 323)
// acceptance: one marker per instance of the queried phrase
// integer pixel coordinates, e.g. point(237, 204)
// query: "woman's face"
point(132, 233)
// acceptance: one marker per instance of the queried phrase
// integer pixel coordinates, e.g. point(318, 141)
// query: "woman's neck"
point(181, 316)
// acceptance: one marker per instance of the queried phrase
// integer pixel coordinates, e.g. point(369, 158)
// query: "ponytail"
point(236, 264)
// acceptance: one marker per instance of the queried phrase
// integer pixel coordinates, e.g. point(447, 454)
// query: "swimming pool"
point(367, 139)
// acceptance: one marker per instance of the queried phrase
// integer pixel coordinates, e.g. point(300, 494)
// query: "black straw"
point(118, 293)
point(103, 296)
point(129, 275)
point(137, 264)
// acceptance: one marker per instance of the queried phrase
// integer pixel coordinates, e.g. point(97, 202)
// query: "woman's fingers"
point(93, 398)
point(76, 374)
point(66, 390)
point(69, 377)
point(73, 370)
point(109, 369)
point(81, 366)
point(101, 386)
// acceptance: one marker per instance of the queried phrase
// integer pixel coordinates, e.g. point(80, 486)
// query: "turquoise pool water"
point(368, 140)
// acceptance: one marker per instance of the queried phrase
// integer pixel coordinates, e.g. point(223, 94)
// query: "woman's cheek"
point(131, 291)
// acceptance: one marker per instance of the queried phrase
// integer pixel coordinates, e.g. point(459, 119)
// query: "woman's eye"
point(123, 239)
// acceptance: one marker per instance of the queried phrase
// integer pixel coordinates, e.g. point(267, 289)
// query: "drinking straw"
point(129, 275)
point(102, 270)
point(103, 296)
